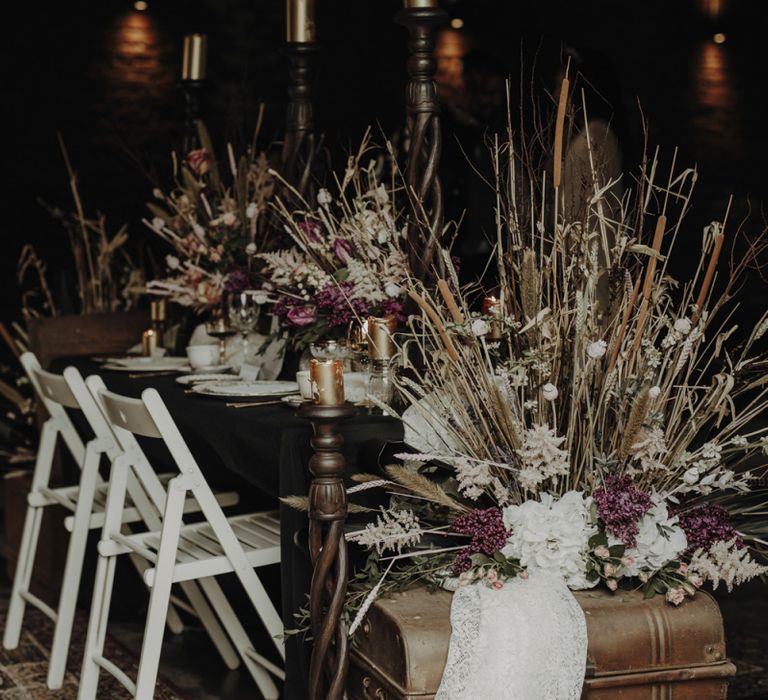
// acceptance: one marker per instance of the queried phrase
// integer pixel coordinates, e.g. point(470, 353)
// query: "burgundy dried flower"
point(304, 315)
point(390, 307)
point(237, 281)
point(311, 230)
point(343, 250)
point(620, 505)
point(199, 161)
point(707, 524)
point(335, 300)
point(486, 528)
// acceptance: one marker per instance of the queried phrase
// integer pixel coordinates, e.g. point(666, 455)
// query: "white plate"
point(148, 364)
point(207, 377)
point(245, 390)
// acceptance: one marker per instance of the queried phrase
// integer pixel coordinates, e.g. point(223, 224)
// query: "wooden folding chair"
point(176, 552)
point(87, 502)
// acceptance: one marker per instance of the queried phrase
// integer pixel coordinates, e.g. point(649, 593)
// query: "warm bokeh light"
point(719, 38)
point(457, 23)
point(140, 5)
point(450, 48)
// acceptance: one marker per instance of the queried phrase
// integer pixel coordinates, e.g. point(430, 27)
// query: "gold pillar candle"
point(380, 343)
point(194, 57)
point(492, 307)
point(148, 342)
point(157, 310)
point(300, 21)
point(420, 3)
point(327, 380)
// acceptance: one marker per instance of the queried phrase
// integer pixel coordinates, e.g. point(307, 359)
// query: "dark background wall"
point(103, 75)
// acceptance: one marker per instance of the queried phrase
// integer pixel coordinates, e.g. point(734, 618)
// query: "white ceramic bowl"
point(203, 356)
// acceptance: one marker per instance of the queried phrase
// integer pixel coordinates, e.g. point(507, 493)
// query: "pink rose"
point(302, 315)
point(523, 575)
point(696, 580)
point(496, 585)
point(465, 578)
point(602, 552)
point(612, 584)
point(675, 596)
point(199, 161)
point(343, 250)
point(609, 569)
point(627, 561)
point(492, 577)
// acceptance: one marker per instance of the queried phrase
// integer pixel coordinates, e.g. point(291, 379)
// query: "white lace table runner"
point(525, 641)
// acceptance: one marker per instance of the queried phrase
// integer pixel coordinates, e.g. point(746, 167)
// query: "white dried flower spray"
point(726, 563)
point(393, 530)
point(541, 457)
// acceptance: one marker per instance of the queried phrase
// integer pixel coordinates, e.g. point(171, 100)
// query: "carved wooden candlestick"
point(299, 146)
point(424, 126)
point(192, 90)
point(328, 549)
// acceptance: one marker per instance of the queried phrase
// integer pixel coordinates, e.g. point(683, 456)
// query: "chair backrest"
point(126, 417)
point(56, 395)
point(149, 417)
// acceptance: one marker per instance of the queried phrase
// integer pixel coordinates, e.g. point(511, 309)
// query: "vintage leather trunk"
point(638, 649)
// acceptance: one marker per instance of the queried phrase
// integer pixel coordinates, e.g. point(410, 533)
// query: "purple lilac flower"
point(236, 282)
point(620, 505)
point(706, 525)
point(486, 528)
point(334, 299)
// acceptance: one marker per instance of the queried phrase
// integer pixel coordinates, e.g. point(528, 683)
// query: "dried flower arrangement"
point(347, 259)
point(107, 277)
point(216, 225)
point(600, 422)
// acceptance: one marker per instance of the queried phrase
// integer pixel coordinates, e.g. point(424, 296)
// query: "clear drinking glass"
point(243, 315)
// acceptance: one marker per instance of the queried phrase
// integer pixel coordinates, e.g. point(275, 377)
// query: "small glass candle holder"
point(327, 380)
point(381, 350)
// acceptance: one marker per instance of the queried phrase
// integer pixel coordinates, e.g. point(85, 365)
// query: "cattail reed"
point(559, 127)
point(709, 276)
point(435, 318)
point(450, 301)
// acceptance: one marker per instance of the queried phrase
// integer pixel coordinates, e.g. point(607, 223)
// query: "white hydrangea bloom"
point(552, 535)
point(659, 540)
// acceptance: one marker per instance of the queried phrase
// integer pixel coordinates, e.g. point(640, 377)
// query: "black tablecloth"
point(267, 446)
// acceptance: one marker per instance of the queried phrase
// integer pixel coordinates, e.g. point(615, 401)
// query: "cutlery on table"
point(251, 404)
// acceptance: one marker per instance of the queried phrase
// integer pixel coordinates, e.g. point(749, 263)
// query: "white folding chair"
point(87, 502)
point(176, 552)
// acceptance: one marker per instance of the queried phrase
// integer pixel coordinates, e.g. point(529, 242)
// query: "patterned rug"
point(23, 670)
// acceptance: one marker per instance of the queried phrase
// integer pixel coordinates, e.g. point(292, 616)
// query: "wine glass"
point(219, 328)
point(243, 315)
